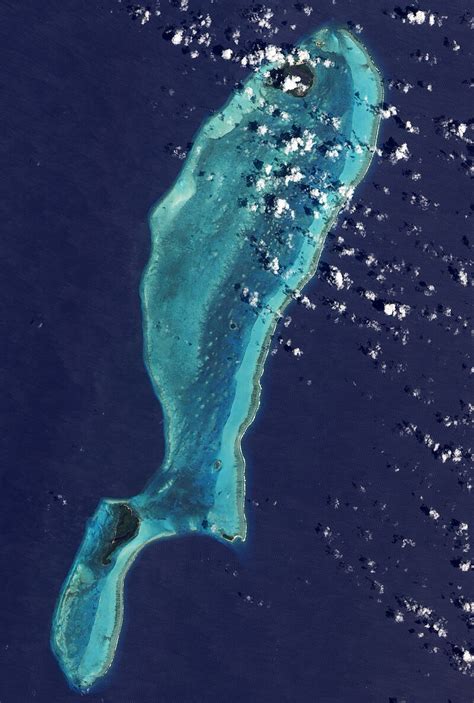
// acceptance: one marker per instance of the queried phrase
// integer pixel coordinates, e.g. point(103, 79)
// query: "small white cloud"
point(401, 153)
point(280, 207)
point(177, 37)
point(416, 17)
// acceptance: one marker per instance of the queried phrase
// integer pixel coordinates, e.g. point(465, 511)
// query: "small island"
point(233, 242)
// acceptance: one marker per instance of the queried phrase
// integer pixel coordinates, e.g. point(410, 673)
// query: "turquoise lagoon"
point(233, 241)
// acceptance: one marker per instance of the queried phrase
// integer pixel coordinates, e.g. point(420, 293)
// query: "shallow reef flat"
point(233, 241)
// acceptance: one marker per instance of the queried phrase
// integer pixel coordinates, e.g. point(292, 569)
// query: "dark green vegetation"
point(126, 529)
point(301, 74)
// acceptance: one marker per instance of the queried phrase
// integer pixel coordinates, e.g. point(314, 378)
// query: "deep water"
point(97, 106)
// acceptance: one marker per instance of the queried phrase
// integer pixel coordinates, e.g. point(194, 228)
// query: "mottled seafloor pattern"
point(357, 581)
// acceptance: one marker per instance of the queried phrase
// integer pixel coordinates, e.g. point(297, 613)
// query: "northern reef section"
point(233, 241)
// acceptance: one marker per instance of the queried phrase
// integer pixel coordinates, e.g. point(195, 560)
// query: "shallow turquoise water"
point(236, 237)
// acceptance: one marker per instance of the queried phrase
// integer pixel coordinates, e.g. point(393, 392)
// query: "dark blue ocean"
point(356, 583)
